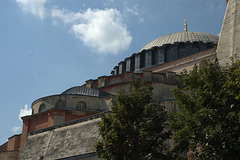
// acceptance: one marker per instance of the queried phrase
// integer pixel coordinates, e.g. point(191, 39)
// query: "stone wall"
point(14, 143)
point(48, 119)
point(9, 155)
point(70, 102)
point(229, 41)
point(73, 140)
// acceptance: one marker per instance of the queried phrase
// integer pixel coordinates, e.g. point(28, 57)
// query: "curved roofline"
point(172, 38)
point(57, 95)
point(83, 90)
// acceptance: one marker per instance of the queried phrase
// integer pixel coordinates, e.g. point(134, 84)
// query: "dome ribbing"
point(182, 37)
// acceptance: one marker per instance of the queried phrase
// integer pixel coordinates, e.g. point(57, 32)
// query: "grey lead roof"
point(82, 90)
point(182, 37)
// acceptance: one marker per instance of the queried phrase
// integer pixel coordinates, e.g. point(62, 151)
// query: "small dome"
point(82, 90)
point(182, 37)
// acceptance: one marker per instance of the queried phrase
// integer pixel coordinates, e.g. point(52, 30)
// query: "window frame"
point(81, 106)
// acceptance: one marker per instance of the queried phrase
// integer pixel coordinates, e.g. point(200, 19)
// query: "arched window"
point(81, 106)
point(42, 108)
point(59, 104)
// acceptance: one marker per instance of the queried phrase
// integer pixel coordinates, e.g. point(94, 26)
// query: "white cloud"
point(36, 7)
point(16, 129)
point(133, 11)
point(24, 112)
point(101, 60)
point(66, 16)
point(101, 30)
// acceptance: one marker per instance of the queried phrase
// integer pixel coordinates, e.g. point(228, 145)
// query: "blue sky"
point(48, 46)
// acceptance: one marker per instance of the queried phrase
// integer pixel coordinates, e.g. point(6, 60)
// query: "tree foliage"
point(207, 119)
point(136, 127)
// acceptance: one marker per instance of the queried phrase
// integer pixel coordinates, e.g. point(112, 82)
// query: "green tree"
point(136, 127)
point(207, 118)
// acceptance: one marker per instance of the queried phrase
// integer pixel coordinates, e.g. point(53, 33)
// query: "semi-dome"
point(182, 37)
point(82, 90)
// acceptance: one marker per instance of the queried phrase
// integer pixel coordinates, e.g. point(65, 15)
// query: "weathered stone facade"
point(229, 42)
point(63, 142)
point(93, 99)
point(9, 155)
point(49, 132)
point(58, 129)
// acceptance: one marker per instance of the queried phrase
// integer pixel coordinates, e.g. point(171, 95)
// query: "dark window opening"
point(142, 60)
point(169, 55)
point(195, 48)
point(81, 106)
point(59, 104)
point(42, 108)
point(181, 50)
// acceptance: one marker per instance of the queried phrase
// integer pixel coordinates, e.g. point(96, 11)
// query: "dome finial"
point(185, 25)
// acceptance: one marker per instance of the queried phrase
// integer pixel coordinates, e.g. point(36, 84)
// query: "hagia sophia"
point(64, 126)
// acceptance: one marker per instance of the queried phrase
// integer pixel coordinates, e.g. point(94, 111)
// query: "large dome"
point(182, 37)
point(166, 49)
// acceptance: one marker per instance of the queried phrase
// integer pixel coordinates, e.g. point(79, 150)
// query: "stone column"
point(137, 62)
point(102, 81)
point(128, 64)
point(116, 70)
point(122, 67)
point(148, 59)
point(25, 130)
point(161, 55)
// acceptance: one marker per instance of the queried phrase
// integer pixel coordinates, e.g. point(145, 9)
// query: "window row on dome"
point(80, 106)
point(159, 55)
